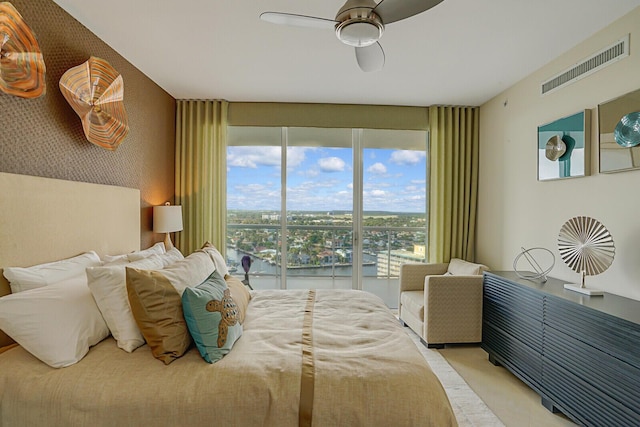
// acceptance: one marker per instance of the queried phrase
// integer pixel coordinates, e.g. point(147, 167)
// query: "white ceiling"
point(462, 52)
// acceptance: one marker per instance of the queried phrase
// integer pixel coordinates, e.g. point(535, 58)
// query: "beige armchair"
point(442, 303)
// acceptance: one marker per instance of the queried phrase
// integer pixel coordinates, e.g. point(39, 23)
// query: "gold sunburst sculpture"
point(95, 91)
point(22, 69)
point(586, 246)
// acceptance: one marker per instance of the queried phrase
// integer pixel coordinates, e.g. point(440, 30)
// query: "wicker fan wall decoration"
point(587, 247)
point(22, 69)
point(95, 91)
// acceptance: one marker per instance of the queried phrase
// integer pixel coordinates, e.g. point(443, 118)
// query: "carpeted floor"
point(469, 409)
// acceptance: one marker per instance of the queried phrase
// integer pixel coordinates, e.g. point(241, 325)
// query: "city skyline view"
point(321, 179)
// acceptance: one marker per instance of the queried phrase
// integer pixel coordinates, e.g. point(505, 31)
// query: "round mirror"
point(627, 131)
point(555, 148)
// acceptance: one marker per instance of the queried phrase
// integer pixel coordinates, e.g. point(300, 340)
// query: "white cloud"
point(254, 196)
point(377, 169)
point(378, 193)
point(254, 187)
point(255, 156)
point(369, 185)
point(311, 173)
point(296, 155)
point(252, 157)
point(350, 186)
point(406, 157)
point(331, 164)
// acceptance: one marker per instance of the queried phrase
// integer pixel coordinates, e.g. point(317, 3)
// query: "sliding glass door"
point(319, 203)
point(326, 208)
point(254, 204)
point(394, 207)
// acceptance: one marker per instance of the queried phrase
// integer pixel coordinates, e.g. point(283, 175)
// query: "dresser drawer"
point(525, 362)
point(609, 377)
point(512, 322)
point(513, 310)
point(524, 302)
point(582, 401)
point(614, 336)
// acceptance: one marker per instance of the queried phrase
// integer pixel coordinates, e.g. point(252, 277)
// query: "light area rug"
point(469, 409)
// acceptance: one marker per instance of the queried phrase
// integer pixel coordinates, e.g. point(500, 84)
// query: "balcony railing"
point(321, 256)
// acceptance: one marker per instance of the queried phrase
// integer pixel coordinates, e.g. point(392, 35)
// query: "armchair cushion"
point(413, 302)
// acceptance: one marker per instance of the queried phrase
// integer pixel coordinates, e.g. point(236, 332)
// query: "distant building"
point(304, 259)
point(326, 257)
point(271, 217)
point(391, 265)
point(346, 255)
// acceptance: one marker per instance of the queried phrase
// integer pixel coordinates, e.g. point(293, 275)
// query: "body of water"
point(259, 266)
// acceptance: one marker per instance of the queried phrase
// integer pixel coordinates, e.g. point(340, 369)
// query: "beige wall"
point(516, 210)
point(44, 136)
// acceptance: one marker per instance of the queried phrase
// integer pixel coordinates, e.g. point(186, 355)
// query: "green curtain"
point(201, 173)
point(453, 182)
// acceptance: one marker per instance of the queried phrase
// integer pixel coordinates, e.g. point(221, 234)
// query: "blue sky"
point(321, 179)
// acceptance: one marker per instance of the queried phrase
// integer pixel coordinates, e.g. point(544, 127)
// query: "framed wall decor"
point(619, 131)
point(563, 147)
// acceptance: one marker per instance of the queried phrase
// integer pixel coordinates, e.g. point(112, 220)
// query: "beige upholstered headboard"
point(44, 219)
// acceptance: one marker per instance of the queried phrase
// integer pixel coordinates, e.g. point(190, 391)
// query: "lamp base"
point(586, 291)
point(168, 244)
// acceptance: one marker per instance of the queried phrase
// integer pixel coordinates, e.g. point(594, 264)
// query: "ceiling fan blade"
point(298, 20)
point(395, 10)
point(370, 58)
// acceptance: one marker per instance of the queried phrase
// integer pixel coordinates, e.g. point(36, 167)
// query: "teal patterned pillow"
point(212, 317)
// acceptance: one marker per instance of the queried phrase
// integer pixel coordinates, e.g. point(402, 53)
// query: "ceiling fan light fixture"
point(359, 23)
point(359, 32)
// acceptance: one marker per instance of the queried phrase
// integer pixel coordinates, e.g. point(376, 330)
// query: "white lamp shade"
point(167, 219)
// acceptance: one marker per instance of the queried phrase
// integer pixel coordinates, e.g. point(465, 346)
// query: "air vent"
point(595, 62)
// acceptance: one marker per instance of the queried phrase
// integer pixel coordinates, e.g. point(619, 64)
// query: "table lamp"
point(167, 219)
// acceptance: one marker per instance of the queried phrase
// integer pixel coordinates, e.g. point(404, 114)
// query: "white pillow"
point(459, 267)
point(37, 276)
point(115, 259)
point(190, 271)
point(157, 248)
point(218, 259)
point(108, 285)
point(56, 323)
point(171, 256)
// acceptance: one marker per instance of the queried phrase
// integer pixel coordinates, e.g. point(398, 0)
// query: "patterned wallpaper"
point(44, 136)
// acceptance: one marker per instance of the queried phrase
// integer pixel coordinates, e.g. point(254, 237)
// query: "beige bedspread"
point(367, 370)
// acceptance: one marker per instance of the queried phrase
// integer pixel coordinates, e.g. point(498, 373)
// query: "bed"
point(304, 357)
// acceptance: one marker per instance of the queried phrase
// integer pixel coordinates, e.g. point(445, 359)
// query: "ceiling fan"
point(359, 23)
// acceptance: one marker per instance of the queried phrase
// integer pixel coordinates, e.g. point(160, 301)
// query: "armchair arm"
point(412, 275)
point(453, 308)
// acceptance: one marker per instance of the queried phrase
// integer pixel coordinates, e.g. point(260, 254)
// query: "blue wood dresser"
point(580, 353)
